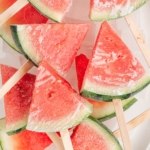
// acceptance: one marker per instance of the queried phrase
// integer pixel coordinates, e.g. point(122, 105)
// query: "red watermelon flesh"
point(17, 100)
point(55, 105)
point(113, 71)
point(55, 43)
point(27, 15)
point(26, 140)
point(54, 9)
point(110, 9)
point(4, 4)
point(92, 135)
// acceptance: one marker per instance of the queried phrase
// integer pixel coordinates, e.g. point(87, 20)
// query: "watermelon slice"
point(54, 43)
point(17, 100)
point(55, 105)
point(113, 72)
point(54, 9)
point(101, 110)
point(5, 4)
point(26, 140)
point(93, 135)
point(101, 10)
point(28, 14)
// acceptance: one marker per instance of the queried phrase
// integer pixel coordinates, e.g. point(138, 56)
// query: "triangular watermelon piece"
point(26, 140)
point(26, 15)
point(17, 100)
point(55, 43)
point(102, 10)
point(93, 135)
point(54, 9)
point(101, 110)
point(55, 105)
point(113, 71)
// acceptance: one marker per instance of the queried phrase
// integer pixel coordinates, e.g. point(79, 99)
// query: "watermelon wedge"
point(26, 140)
point(113, 71)
point(102, 10)
point(54, 43)
point(93, 135)
point(55, 105)
point(5, 4)
point(17, 100)
point(54, 9)
point(101, 110)
point(28, 14)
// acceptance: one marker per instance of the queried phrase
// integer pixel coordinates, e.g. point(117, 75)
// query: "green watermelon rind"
point(107, 94)
point(104, 131)
point(106, 15)
point(3, 139)
point(46, 11)
point(17, 41)
point(12, 132)
point(126, 105)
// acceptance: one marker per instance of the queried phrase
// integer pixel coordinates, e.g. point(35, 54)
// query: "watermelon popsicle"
point(108, 75)
point(101, 110)
point(109, 10)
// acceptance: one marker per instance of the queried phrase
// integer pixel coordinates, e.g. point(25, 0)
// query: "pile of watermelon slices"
point(32, 109)
point(49, 103)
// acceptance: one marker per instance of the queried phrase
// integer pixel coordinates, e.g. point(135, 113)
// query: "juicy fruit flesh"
point(52, 43)
point(91, 134)
point(61, 107)
point(18, 99)
point(57, 5)
point(82, 136)
point(112, 61)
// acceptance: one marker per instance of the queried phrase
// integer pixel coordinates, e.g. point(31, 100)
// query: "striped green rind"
point(97, 93)
point(111, 111)
point(15, 36)
point(16, 131)
point(115, 14)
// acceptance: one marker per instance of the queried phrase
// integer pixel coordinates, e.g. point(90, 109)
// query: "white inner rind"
point(115, 90)
point(108, 110)
point(5, 140)
point(24, 39)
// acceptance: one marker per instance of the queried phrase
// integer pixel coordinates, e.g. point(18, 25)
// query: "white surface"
point(140, 136)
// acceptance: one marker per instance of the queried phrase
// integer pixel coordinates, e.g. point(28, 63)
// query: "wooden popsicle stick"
point(13, 9)
point(135, 122)
point(56, 140)
point(15, 78)
point(66, 139)
point(138, 37)
point(122, 124)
